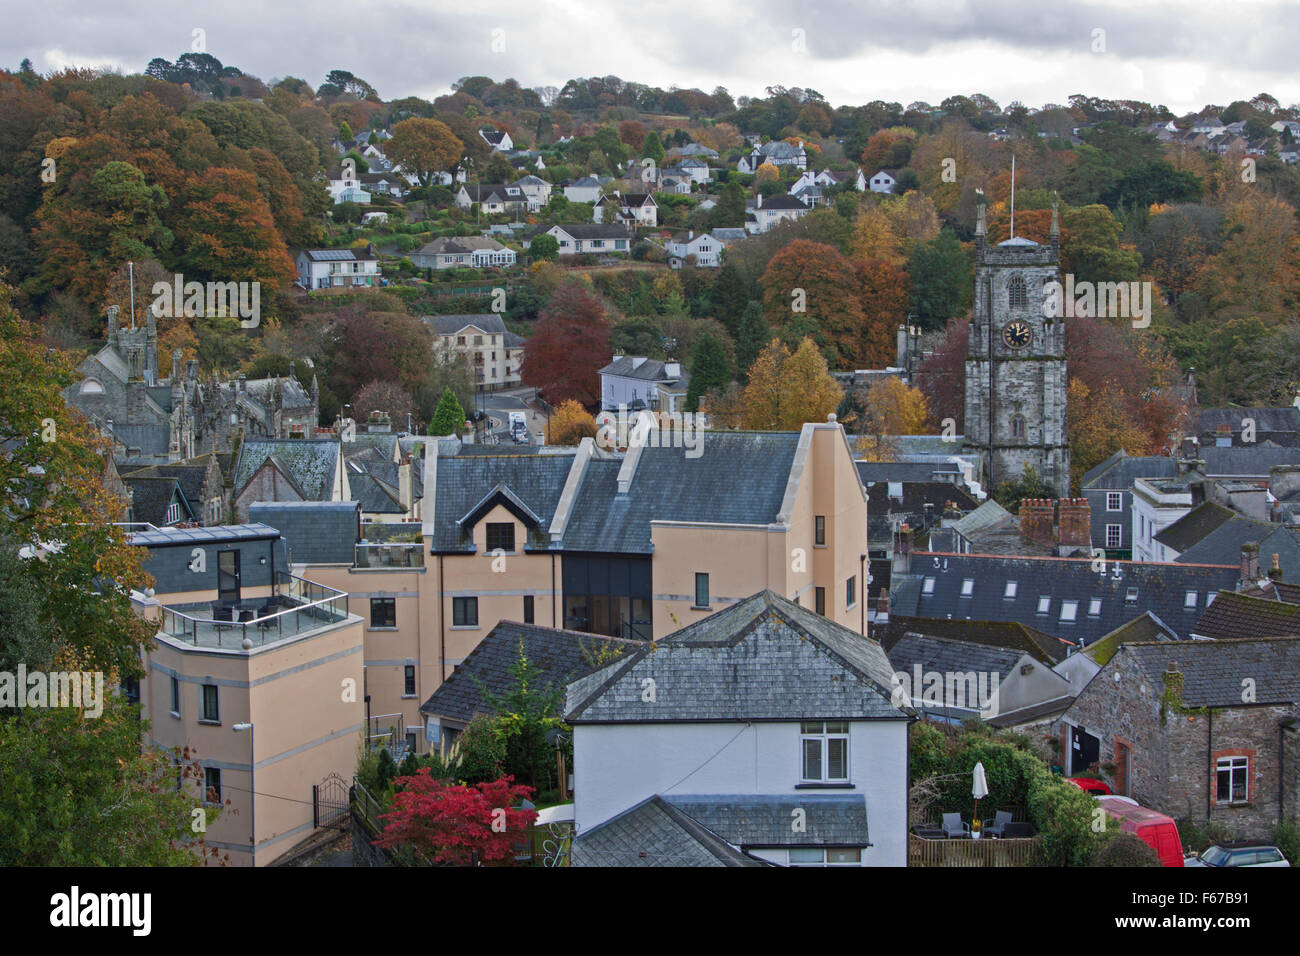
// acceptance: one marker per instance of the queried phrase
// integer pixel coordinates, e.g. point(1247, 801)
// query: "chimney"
point(902, 347)
point(1249, 564)
point(1173, 681)
point(1074, 531)
point(882, 605)
point(1275, 572)
point(1036, 520)
point(673, 369)
point(404, 483)
point(112, 327)
point(903, 545)
point(760, 201)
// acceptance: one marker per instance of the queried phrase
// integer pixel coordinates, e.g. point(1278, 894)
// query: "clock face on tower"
point(1017, 334)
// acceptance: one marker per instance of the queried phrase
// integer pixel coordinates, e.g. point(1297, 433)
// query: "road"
point(499, 405)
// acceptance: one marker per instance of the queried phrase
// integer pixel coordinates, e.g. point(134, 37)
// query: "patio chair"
point(223, 613)
point(953, 827)
point(999, 825)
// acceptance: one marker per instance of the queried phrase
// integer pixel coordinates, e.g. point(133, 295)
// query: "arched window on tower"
point(1017, 293)
point(1017, 426)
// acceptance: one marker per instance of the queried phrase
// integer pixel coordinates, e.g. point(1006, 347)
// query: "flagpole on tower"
point(1013, 196)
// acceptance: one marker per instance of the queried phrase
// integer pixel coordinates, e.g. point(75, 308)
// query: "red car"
point(1091, 785)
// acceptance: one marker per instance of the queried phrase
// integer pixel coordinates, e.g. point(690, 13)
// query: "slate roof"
point(740, 478)
point(1160, 588)
point(765, 658)
point(1195, 525)
point(590, 230)
point(1145, 628)
point(190, 477)
point(1120, 470)
point(1234, 615)
point(489, 322)
point(651, 370)
point(946, 655)
point(310, 463)
point(759, 821)
point(458, 245)
point(881, 506)
point(872, 471)
point(462, 481)
point(1213, 670)
point(784, 202)
point(560, 657)
point(1223, 545)
point(1242, 460)
point(998, 634)
point(654, 833)
point(315, 532)
point(1282, 419)
point(372, 496)
point(150, 498)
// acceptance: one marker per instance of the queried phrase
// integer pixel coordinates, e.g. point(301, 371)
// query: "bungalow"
point(884, 181)
point(498, 139)
point(322, 268)
point(588, 238)
point(766, 732)
point(638, 208)
point(450, 252)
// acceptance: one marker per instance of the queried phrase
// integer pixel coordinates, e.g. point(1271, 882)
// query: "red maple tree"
point(456, 824)
point(569, 345)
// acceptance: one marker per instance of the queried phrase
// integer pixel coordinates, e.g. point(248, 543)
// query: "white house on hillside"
point(883, 181)
point(764, 733)
point(323, 268)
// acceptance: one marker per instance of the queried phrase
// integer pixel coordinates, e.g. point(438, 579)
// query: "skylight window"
point(1044, 603)
point(928, 586)
point(1131, 595)
point(1189, 599)
point(1069, 610)
point(1094, 607)
point(967, 587)
point(1010, 591)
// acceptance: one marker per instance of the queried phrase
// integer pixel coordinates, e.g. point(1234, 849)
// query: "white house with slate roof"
point(323, 268)
point(765, 728)
point(638, 382)
point(472, 252)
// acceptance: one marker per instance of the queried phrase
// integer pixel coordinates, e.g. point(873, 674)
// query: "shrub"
point(1198, 836)
point(1287, 837)
point(1123, 849)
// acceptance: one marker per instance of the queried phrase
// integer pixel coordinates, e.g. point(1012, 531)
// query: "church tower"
point(1015, 366)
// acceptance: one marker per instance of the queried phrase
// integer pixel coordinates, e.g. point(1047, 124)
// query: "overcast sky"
point(1183, 53)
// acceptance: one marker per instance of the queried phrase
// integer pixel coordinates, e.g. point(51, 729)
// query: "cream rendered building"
point(241, 641)
point(633, 545)
point(496, 351)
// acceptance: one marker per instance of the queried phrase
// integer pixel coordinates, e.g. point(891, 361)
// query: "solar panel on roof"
point(331, 255)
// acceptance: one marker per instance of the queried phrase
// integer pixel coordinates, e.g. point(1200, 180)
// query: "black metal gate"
point(329, 802)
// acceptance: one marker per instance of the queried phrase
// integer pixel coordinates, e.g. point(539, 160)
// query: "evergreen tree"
point(751, 338)
point(387, 770)
point(710, 370)
point(653, 148)
point(729, 296)
point(942, 280)
point(730, 210)
point(449, 416)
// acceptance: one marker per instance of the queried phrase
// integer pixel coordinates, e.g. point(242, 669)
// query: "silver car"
point(1239, 854)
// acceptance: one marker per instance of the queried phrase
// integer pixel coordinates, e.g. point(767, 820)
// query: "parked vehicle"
point(517, 421)
point(1239, 854)
point(1091, 785)
point(1156, 830)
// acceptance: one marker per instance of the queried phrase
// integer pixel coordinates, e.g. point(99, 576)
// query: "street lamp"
point(252, 787)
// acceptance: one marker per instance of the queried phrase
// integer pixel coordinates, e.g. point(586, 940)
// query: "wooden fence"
point(1026, 851)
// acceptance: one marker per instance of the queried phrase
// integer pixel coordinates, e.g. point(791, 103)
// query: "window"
point(820, 596)
point(1114, 500)
point(1017, 293)
point(464, 612)
point(1114, 535)
point(383, 612)
point(701, 590)
point(1131, 596)
point(528, 609)
point(1069, 610)
point(501, 535)
point(408, 678)
point(1010, 590)
point(815, 856)
point(1209, 598)
point(211, 710)
point(820, 536)
point(174, 512)
point(1189, 599)
point(927, 587)
point(1232, 775)
point(1017, 426)
point(176, 698)
point(1044, 603)
point(1094, 607)
point(851, 591)
point(211, 785)
point(131, 690)
point(967, 587)
point(825, 747)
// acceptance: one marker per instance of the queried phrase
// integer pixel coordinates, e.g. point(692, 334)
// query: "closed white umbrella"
point(979, 787)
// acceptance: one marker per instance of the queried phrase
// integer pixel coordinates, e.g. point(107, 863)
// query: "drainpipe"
point(442, 641)
point(862, 598)
point(1282, 728)
point(1209, 759)
point(553, 624)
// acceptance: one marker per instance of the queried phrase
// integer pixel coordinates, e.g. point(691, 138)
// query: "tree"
point(455, 824)
point(942, 278)
point(785, 391)
point(730, 210)
point(544, 248)
point(387, 397)
point(1100, 424)
point(345, 133)
point(884, 293)
point(810, 289)
point(449, 418)
point(653, 148)
point(751, 338)
point(569, 344)
point(729, 296)
point(1010, 493)
point(522, 717)
point(892, 407)
point(710, 369)
point(424, 148)
point(570, 424)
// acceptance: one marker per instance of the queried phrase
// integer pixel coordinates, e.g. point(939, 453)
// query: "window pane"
point(843, 856)
point(806, 855)
point(837, 758)
point(837, 727)
point(812, 760)
point(813, 727)
point(701, 590)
